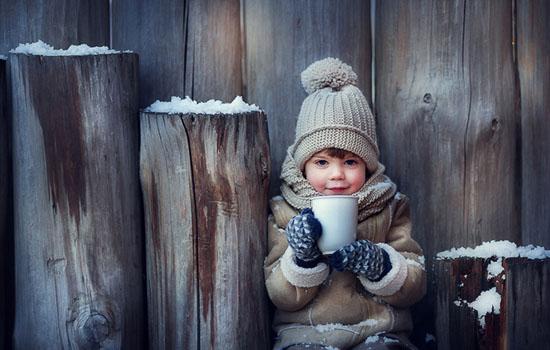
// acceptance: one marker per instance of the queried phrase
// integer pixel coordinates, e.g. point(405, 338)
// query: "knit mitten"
point(362, 258)
point(302, 233)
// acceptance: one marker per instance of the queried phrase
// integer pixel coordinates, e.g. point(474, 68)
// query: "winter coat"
point(340, 309)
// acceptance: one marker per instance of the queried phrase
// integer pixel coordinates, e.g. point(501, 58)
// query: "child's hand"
point(364, 258)
point(302, 233)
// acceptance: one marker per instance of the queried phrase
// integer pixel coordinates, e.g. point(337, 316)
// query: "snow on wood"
point(177, 105)
point(40, 48)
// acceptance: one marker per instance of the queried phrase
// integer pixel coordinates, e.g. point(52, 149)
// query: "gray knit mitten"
point(302, 233)
point(362, 258)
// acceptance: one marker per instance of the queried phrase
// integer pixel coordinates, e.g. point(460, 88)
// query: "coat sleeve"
point(289, 286)
point(405, 283)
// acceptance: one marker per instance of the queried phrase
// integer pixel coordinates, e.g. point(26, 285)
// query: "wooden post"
point(6, 232)
point(524, 311)
point(205, 183)
point(78, 226)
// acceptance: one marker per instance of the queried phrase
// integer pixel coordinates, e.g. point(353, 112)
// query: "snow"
point(40, 48)
point(487, 302)
point(372, 339)
point(2, 57)
point(177, 105)
point(504, 249)
point(494, 268)
point(329, 327)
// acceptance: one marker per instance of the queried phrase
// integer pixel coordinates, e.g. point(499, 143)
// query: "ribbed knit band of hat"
point(335, 114)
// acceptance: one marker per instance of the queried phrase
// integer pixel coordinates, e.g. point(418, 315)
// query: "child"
point(358, 297)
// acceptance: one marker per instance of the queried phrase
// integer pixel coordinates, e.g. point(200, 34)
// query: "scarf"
point(373, 196)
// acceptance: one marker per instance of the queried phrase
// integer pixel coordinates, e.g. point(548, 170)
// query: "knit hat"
point(334, 115)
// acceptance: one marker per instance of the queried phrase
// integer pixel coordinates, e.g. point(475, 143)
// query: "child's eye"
point(351, 162)
point(321, 162)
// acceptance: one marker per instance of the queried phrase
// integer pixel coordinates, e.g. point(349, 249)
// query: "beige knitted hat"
point(335, 114)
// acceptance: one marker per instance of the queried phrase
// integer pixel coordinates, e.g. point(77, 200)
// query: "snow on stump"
point(204, 175)
point(493, 296)
point(78, 226)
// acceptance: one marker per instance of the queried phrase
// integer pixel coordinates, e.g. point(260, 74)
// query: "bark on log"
point(78, 218)
point(205, 182)
point(524, 311)
point(6, 232)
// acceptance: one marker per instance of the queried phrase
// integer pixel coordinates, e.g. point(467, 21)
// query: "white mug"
point(338, 217)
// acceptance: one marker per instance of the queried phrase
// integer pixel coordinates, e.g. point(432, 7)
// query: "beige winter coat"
point(340, 309)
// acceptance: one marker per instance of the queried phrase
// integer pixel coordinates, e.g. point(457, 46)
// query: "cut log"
point(77, 205)
point(524, 316)
point(6, 232)
point(205, 185)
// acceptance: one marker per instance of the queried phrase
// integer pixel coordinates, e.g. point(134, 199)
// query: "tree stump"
point(6, 233)
point(77, 205)
point(524, 317)
point(205, 185)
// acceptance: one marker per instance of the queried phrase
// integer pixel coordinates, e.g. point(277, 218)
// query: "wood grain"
point(170, 231)
point(58, 22)
point(77, 208)
point(533, 54)
point(205, 181)
point(281, 39)
point(448, 119)
point(6, 207)
point(199, 54)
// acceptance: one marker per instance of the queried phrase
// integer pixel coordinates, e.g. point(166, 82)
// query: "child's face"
point(335, 176)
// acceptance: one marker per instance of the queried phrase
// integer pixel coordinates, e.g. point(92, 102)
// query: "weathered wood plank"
point(533, 52)
point(230, 162)
point(77, 204)
point(59, 22)
point(527, 307)
point(282, 38)
point(199, 54)
point(6, 230)
point(170, 231)
point(447, 112)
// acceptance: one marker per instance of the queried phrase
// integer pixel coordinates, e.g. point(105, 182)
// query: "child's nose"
point(337, 173)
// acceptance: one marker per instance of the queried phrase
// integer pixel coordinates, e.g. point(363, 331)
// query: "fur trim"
point(299, 276)
point(393, 280)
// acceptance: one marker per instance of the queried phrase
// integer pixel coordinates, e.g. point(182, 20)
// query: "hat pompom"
point(328, 72)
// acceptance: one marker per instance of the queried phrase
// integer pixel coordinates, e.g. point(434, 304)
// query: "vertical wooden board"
point(77, 207)
point(527, 308)
point(230, 158)
point(59, 22)
point(281, 39)
point(6, 230)
point(199, 54)
point(167, 183)
point(533, 52)
point(448, 120)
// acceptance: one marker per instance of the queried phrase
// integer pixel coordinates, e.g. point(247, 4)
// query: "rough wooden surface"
point(282, 38)
point(77, 204)
point(533, 52)
point(448, 117)
point(200, 52)
point(6, 231)
point(524, 315)
point(170, 231)
point(205, 183)
point(58, 22)
point(527, 307)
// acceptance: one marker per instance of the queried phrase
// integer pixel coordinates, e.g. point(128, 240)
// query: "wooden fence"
point(460, 87)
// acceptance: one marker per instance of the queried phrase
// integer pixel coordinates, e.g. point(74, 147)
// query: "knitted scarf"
point(377, 191)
